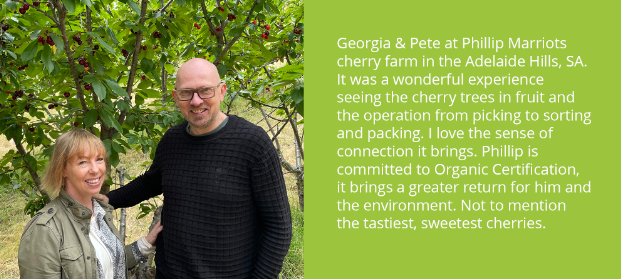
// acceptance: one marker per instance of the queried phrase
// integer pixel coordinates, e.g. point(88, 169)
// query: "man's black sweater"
point(226, 210)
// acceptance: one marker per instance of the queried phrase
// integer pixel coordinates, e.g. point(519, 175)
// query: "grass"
point(13, 219)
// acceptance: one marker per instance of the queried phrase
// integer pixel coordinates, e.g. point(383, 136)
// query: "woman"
point(65, 239)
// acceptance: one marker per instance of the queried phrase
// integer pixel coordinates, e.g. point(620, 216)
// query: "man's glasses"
point(203, 93)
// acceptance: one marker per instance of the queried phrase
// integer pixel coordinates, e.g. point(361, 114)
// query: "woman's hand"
point(153, 233)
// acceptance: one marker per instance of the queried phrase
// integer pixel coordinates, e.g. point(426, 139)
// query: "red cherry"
point(297, 41)
point(267, 27)
point(195, 24)
point(87, 87)
point(11, 63)
point(8, 92)
point(67, 94)
point(198, 27)
point(286, 41)
point(76, 124)
point(218, 29)
point(144, 77)
point(32, 129)
point(254, 22)
point(50, 106)
point(154, 47)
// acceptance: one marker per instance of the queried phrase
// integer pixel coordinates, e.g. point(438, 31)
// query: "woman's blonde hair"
point(74, 142)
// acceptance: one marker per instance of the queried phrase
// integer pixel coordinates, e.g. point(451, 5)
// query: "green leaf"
point(99, 89)
point(169, 68)
point(87, 3)
point(31, 161)
point(222, 69)
point(132, 139)
point(46, 56)
point(300, 108)
point(10, 4)
point(237, 31)
point(112, 35)
point(105, 45)
point(144, 84)
point(35, 34)
point(60, 46)
point(90, 118)
point(162, 30)
point(272, 7)
point(108, 146)
point(151, 93)
point(11, 54)
point(142, 28)
point(98, 68)
point(114, 157)
point(180, 3)
point(156, 76)
point(116, 88)
point(117, 147)
point(70, 5)
point(266, 53)
point(164, 41)
point(89, 78)
point(297, 94)
point(134, 6)
point(30, 51)
point(139, 99)
point(123, 143)
point(110, 121)
point(146, 65)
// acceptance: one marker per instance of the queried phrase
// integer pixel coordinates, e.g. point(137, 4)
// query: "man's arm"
point(270, 196)
point(144, 187)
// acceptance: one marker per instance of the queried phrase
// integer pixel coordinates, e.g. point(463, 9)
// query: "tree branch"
point(62, 14)
point(232, 42)
point(36, 8)
point(212, 28)
point(166, 6)
point(132, 72)
point(57, 104)
point(33, 173)
point(295, 130)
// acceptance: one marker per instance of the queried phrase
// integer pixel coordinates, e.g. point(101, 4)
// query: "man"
point(226, 210)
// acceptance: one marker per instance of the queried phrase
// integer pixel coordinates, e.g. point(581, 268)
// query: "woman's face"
point(84, 175)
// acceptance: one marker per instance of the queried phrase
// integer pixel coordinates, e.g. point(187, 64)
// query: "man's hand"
point(153, 233)
point(101, 197)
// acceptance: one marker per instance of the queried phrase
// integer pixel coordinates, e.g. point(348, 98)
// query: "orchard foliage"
point(108, 66)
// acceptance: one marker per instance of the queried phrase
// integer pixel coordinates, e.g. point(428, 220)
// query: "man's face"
point(202, 114)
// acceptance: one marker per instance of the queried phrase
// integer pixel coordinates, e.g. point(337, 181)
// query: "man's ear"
point(222, 92)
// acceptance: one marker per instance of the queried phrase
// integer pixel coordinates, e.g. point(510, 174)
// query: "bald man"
point(226, 212)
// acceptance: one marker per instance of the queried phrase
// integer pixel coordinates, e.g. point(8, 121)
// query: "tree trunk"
point(145, 271)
